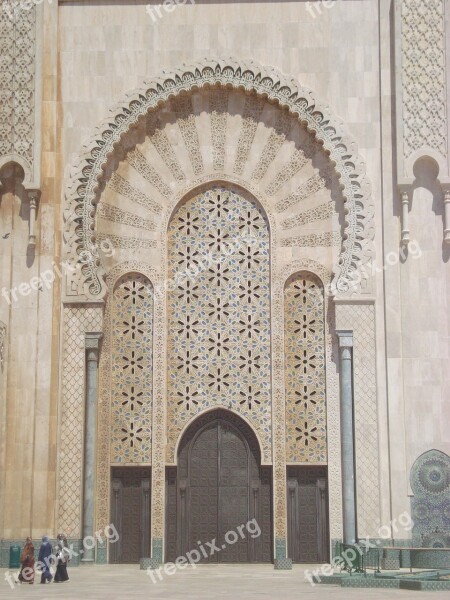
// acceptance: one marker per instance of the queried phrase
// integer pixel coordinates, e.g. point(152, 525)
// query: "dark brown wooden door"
point(308, 538)
point(234, 465)
point(130, 513)
point(219, 487)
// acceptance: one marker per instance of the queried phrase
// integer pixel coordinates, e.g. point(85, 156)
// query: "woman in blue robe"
point(45, 554)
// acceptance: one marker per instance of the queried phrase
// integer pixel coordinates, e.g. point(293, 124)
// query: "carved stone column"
point(33, 196)
point(92, 342)
point(405, 236)
point(347, 436)
point(447, 216)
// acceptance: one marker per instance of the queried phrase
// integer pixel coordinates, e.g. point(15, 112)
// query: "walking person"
point(26, 574)
point(62, 558)
point(45, 553)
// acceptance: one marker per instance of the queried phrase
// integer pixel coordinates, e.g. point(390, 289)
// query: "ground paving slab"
point(205, 582)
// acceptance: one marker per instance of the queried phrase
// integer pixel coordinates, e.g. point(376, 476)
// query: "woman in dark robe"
point(62, 558)
point(26, 574)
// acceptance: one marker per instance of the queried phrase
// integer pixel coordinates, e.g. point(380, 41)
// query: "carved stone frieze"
point(80, 206)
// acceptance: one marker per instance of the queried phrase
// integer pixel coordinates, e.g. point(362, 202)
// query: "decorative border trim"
point(267, 82)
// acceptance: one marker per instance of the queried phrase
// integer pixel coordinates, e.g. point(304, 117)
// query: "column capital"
point(33, 196)
point(92, 340)
point(404, 194)
point(345, 337)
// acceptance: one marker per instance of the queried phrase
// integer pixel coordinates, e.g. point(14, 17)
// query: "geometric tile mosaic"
point(430, 483)
point(219, 311)
point(306, 433)
point(132, 370)
point(76, 322)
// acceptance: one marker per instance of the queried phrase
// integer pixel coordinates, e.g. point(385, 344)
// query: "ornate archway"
point(222, 124)
point(87, 282)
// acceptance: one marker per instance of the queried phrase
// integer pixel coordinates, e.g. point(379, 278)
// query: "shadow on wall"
point(426, 173)
point(12, 176)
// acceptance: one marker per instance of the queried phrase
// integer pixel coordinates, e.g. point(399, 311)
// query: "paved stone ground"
point(208, 582)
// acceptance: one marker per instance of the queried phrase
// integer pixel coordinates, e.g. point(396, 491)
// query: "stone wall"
point(80, 59)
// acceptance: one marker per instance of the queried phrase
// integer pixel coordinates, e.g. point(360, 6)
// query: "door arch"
point(219, 487)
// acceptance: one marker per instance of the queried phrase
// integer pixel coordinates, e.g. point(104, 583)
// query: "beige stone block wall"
point(417, 312)
point(425, 283)
point(23, 316)
point(93, 54)
point(29, 378)
point(28, 443)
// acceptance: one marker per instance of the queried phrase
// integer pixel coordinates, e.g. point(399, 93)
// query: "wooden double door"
point(308, 538)
point(219, 494)
point(130, 513)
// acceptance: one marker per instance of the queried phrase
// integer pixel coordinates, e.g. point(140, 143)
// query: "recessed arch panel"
point(219, 348)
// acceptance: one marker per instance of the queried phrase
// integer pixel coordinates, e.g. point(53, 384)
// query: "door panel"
point(307, 514)
point(130, 512)
point(202, 492)
point(233, 493)
point(233, 457)
point(203, 459)
point(202, 524)
point(233, 512)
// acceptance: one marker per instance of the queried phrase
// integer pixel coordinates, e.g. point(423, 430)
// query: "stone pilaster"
point(92, 342)
point(347, 436)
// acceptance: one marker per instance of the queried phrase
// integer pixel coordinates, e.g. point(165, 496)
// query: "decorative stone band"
point(421, 84)
point(80, 201)
point(20, 113)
